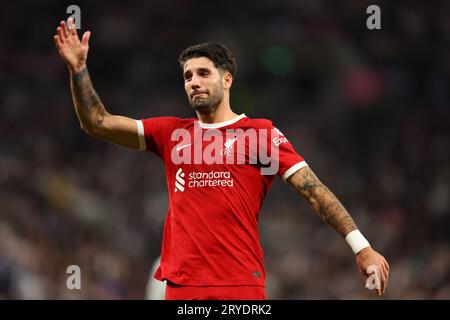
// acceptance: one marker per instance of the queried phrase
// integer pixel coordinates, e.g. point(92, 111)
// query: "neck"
point(221, 113)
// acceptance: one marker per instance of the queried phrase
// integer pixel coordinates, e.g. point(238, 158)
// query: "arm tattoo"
point(324, 202)
point(87, 103)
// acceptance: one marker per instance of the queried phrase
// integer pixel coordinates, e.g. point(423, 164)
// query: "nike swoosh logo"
point(182, 147)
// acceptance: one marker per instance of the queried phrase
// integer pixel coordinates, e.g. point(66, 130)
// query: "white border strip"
point(141, 135)
point(221, 124)
point(289, 172)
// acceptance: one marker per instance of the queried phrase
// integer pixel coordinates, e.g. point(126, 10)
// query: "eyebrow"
point(204, 69)
point(198, 70)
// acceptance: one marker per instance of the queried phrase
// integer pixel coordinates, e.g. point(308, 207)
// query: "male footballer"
point(219, 167)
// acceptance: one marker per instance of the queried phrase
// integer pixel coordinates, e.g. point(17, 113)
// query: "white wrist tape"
point(356, 241)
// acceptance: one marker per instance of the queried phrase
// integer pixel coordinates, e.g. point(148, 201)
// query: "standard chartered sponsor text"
point(210, 179)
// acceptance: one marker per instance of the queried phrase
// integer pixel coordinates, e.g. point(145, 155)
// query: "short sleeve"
point(154, 133)
point(289, 160)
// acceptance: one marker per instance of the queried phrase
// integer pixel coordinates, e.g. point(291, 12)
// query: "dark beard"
point(207, 105)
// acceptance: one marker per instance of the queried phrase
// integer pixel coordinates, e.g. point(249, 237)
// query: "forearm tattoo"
point(324, 202)
point(87, 103)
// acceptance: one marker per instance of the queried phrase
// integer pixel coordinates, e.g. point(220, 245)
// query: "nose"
point(195, 82)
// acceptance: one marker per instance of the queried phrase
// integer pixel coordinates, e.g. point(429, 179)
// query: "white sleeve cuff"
point(141, 135)
point(289, 172)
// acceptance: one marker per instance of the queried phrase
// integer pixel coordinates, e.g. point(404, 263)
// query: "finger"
point(386, 273)
point(383, 285)
point(385, 267)
point(383, 279)
point(58, 41)
point(86, 36)
point(65, 32)
point(72, 27)
point(60, 32)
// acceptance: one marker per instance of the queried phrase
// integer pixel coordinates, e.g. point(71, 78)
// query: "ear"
point(227, 80)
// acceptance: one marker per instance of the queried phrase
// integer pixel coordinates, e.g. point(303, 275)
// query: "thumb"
point(86, 37)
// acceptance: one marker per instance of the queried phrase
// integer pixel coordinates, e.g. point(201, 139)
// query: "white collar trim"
point(221, 124)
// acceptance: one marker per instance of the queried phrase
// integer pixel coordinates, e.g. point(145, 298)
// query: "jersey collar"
point(221, 124)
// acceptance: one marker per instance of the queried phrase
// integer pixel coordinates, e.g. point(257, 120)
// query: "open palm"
point(73, 51)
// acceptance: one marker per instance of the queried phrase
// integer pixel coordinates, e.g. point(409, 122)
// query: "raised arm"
point(331, 210)
point(93, 117)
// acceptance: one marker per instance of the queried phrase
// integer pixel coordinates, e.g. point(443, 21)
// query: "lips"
point(196, 94)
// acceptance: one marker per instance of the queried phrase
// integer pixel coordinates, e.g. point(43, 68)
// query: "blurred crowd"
point(368, 110)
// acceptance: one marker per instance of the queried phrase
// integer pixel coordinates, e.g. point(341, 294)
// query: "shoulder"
point(169, 121)
point(185, 121)
point(256, 123)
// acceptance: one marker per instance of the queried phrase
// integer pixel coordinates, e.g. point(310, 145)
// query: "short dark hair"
point(220, 55)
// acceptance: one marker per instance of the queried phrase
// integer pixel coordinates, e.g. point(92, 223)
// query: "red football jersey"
point(217, 177)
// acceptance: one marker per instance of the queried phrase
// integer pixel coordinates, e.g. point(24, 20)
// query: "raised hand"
point(73, 51)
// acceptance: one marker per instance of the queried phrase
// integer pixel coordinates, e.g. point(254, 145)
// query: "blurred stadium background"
point(369, 110)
